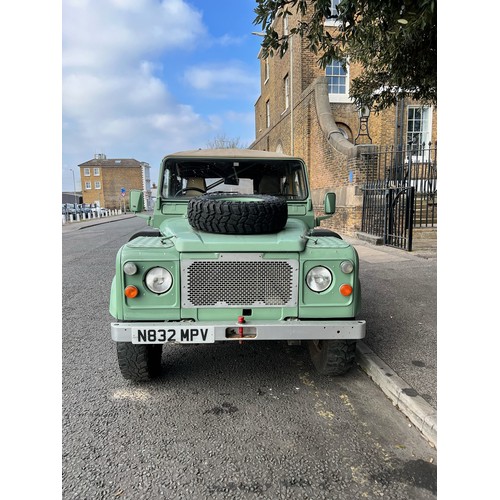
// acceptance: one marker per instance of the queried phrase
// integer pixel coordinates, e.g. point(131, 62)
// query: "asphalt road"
point(223, 421)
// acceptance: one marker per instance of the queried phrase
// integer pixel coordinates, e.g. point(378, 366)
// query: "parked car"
point(69, 208)
point(238, 266)
point(85, 208)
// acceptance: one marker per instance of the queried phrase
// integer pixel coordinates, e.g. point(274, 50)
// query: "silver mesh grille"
point(239, 283)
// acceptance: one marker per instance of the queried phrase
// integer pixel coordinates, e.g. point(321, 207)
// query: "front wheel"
point(332, 357)
point(139, 363)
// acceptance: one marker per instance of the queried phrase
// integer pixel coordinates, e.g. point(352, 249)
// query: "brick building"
point(305, 111)
point(104, 181)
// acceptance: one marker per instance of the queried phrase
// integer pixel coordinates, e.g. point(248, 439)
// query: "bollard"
point(64, 219)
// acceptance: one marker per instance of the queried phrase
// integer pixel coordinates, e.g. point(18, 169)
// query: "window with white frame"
point(97, 184)
point(88, 185)
point(331, 20)
point(266, 70)
point(287, 91)
point(96, 171)
point(418, 131)
point(86, 172)
point(268, 114)
point(338, 82)
point(285, 25)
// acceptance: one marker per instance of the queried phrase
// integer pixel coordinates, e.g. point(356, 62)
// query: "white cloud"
point(112, 100)
point(111, 34)
point(223, 80)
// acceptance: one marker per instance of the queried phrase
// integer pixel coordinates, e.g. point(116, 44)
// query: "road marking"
point(132, 394)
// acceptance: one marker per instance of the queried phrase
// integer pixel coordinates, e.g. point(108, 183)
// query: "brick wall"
point(328, 168)
point(115, 178)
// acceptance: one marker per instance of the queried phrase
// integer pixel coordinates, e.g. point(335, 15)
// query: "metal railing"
point(400, 193)
point(78, 217)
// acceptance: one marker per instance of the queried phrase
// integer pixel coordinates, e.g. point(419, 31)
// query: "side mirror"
point(136, 200)
point(330, 201)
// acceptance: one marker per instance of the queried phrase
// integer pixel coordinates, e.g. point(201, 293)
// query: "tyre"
point(145, 233)
point(332, 357)
point(325, 232)
point(238, 214)
point(139, 363)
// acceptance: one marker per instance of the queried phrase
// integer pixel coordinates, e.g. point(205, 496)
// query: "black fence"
point(400, 193)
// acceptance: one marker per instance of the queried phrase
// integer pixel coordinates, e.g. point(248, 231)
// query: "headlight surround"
point(129, 268)
point(319, 278)
point(347, 267)
point(158, 280)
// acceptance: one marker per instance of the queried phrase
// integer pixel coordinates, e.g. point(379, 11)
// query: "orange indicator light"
point(345, 290)
point(131, 291)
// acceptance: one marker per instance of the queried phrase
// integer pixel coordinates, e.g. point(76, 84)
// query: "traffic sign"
point(122, 191)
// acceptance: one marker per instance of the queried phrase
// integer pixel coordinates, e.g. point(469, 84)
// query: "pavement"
point(400, 348)
point(399, 351)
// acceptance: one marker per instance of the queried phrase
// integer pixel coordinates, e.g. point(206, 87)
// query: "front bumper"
point(256, 330)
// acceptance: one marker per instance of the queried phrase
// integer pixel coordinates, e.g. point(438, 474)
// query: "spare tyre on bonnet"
point(227, 213)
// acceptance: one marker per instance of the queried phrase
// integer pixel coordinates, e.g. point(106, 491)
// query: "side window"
point(97, 185)
point(338, 82)
point(418, 131)
point(331, 19)
point(287, 91)
point(96, 171)
point(88, 185)
point(86, 172)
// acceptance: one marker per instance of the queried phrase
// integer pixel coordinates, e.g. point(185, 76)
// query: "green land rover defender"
point(236, 256)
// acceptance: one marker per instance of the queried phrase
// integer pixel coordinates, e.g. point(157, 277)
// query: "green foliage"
point(394, 40)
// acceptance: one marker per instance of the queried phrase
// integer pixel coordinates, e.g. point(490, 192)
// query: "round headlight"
point(158, 280)
point(129, 268)
point(347, 267)
point(319, 279)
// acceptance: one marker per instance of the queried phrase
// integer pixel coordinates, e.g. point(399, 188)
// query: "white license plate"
point(182, 334)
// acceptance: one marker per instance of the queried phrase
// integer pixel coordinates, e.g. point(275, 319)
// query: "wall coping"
point(329, 127)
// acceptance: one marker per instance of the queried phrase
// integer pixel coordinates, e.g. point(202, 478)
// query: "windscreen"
point(185, 178)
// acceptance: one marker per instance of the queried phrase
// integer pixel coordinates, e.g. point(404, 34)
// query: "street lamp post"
point(364, 114)
point(74, 188)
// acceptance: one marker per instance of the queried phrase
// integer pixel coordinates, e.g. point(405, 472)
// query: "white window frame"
point(266, 70)
point(96, 171)
point(423, 135)
point(286, 30)
point(330, 21)
point(97, 184)
point(268, 114)
point(88, 185)
point(340, 96)
point(86, 172)
point(286, 82)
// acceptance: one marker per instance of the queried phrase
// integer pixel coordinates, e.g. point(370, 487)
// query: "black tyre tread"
point(334, 357)
point(145, 233)
point(139, 363)
point(260, 214)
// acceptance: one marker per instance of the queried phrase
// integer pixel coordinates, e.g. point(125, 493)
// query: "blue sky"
point(144, 78)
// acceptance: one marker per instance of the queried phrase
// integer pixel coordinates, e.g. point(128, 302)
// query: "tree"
point(221, 141)
point(394, 40)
